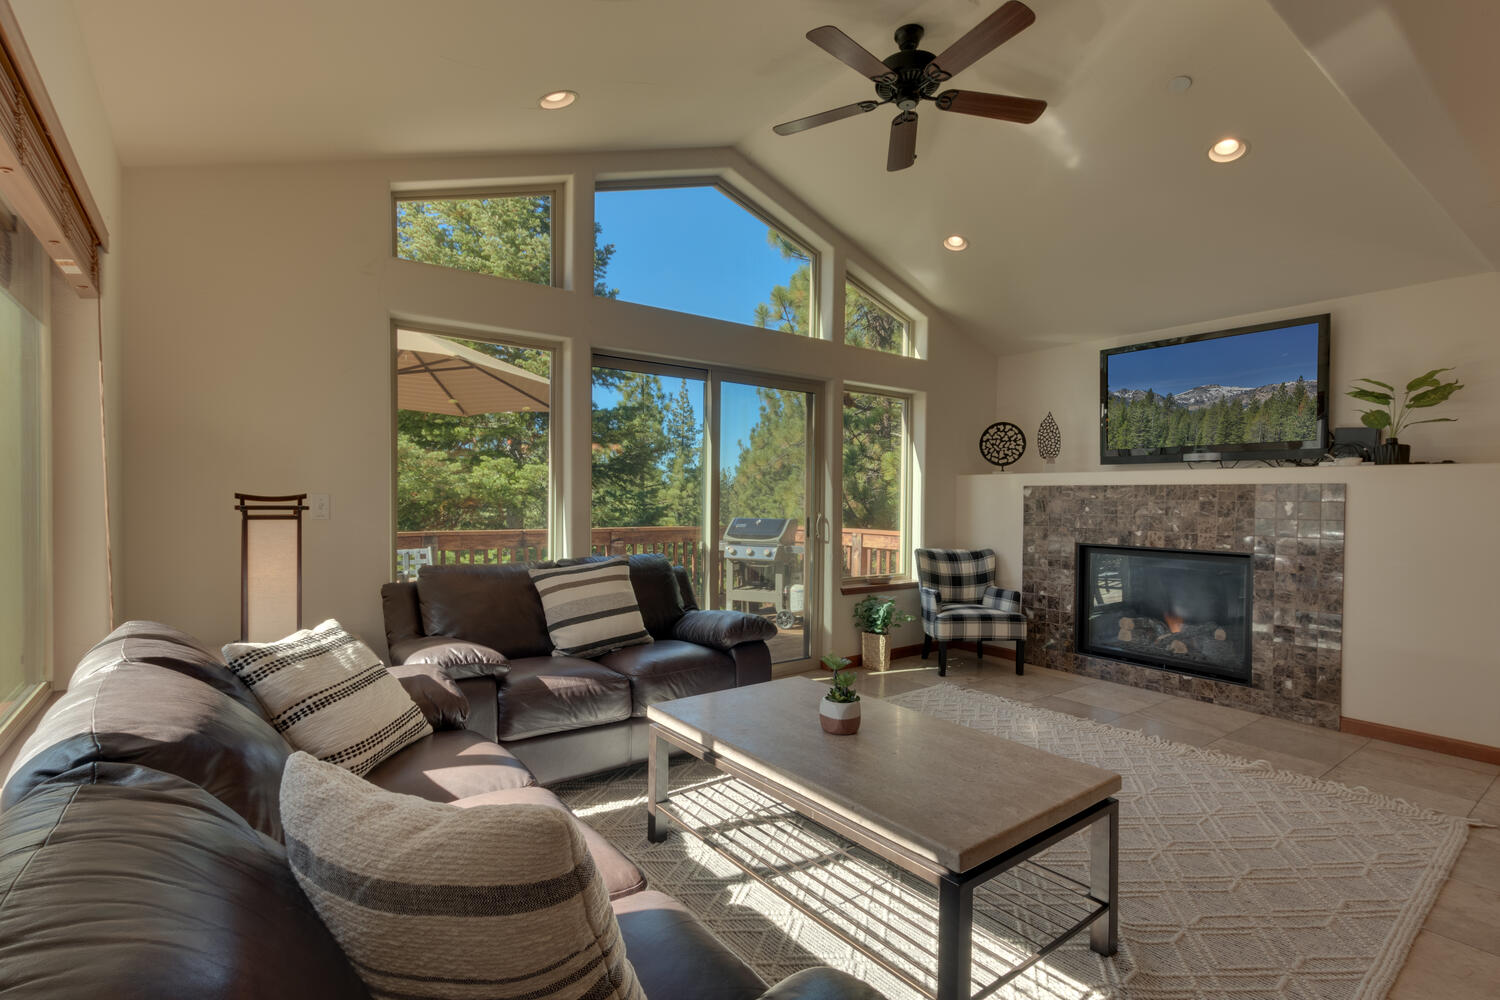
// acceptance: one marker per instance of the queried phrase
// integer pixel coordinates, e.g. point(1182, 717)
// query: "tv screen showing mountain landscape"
point(1250, 388)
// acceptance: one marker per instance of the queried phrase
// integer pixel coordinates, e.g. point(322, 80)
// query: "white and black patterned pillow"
point(433, 900)
point(590, 607)
point(328, 693)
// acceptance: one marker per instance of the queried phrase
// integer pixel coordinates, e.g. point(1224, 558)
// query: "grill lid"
point(758, 529)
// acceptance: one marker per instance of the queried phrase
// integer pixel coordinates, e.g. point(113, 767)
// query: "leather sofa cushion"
point(553, 694)
point(120, 881)
point(139, 713)
point(670, 669)
point(675, 957)
point(493, 605)
point(449, 765)
point(165, 646)
point(621, 876)
point(443, 705)
point(657, 594)
point(722, 629)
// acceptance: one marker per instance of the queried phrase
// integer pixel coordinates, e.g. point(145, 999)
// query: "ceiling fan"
point(911, 75)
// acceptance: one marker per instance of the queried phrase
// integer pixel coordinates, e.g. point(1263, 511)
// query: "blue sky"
point(1249, 360)
point(689, 249)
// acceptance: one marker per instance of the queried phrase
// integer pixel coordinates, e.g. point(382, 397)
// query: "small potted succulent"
point(839, 710)
point(875, 616)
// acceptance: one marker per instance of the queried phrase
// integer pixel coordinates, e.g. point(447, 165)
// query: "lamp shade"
point(270, 565)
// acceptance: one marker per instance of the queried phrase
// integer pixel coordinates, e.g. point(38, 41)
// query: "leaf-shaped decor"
point(1382, 398)
point(1434, 420)
point(1378, 419)
point(1049, 439)
point(1429, 379)
point(1375, 381)
point(1434, 396)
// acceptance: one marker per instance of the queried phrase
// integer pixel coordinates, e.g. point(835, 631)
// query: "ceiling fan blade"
point(1008, 109)
point(824, 117)
point(903, 151)
point(1004, 24)
point(849, 52)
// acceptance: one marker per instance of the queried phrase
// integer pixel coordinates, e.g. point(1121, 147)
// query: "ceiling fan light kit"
point(911, 75)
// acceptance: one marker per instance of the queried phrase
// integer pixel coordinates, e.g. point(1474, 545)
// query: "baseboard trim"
point(897, 652)
point(1422, 741)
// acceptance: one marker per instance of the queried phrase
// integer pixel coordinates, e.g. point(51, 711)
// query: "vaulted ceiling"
point(1104, 217)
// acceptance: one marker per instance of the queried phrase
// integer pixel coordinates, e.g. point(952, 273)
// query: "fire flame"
point(1174, 623)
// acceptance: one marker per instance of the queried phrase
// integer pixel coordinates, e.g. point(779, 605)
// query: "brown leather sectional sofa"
point(141, 854)
point(564, 717)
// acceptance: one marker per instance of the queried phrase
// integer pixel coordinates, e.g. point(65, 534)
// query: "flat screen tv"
point(1254, 392)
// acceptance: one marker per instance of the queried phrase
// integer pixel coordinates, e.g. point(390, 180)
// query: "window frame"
point(557, 221)
point(908, 336)
point(851, 582)
point(766, 216)
point(555, 515)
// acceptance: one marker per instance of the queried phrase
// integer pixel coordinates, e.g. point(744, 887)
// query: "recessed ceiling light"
point(1227, 150)
point(955, 243)
point(558, 99)
point(1179, 84)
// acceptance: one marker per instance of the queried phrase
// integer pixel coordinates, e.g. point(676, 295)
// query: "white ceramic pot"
point(841, 718)
point(874, 651)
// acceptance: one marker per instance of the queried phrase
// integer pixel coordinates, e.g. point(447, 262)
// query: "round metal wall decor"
point(1049, 439)
point(1002, 444)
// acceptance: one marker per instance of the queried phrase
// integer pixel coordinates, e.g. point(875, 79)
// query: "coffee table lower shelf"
point(998, 919)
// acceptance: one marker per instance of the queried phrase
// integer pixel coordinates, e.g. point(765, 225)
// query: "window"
point(473, 451)
point(876, 489)
point(700, 250)
point(869, 322)
point(507, 235)
point(23, 452)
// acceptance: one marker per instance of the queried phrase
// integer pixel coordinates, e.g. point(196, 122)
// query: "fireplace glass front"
point(1168, 608)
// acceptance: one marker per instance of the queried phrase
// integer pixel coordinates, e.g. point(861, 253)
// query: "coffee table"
point(948, 804)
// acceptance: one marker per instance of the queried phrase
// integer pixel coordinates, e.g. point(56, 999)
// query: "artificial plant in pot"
point(875, 616)
point(838, 712)
point(1420, 393)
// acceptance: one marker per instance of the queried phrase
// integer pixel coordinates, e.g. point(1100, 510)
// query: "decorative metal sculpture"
point(1049, 439)
point(1002, 444)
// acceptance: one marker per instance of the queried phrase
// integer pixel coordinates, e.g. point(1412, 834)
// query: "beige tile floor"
point(1457, 954)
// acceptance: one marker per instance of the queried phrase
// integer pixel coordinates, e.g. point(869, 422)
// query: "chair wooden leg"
point(926, 645)
point(942, 658)
point(1020, 656)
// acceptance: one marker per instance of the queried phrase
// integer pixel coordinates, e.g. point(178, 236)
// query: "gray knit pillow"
point(430, 900)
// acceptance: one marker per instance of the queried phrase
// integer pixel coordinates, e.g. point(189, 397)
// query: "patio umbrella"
point(438, 375)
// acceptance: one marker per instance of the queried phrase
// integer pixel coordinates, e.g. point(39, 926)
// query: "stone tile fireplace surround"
point(1295, 535)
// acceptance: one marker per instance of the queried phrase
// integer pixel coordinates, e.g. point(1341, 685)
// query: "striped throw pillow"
point(432, 900)
point(591, 608)
point(328, 693)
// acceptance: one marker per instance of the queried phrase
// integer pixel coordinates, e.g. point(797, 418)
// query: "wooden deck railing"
point(866, 552)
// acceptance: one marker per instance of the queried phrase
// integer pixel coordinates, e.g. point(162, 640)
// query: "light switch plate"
point(322, 507)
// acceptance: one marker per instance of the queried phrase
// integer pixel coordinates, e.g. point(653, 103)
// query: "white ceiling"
point(1104, 217)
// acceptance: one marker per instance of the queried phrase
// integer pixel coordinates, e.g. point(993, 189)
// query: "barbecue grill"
point(761, 561)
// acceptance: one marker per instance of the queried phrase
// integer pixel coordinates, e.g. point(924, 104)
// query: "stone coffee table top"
point(939, 790)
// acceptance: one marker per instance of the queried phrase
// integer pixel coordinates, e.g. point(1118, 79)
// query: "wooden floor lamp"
point(270, 565)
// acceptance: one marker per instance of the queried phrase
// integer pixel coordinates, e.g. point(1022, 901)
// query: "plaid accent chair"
point(960, 601)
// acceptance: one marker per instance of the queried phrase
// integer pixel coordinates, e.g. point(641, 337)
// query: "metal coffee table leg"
point(1104, 879)
point(658, 759)
point(955, 938)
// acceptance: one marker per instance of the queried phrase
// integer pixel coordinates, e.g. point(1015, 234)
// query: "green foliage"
point(842, 690)
point(647, 454)
point(867, 323)
point(835, 662)
point(1421, 392)
point(1152, 421)
point(878, 615)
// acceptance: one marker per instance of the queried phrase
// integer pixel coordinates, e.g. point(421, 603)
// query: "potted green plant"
point(1421, 392)
point(875, 616)
point(838, 712)
point(835, 663)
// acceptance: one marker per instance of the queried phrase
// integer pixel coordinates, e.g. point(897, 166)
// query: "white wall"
point(258, 306)
point(1392, 336)
point(1419, 548)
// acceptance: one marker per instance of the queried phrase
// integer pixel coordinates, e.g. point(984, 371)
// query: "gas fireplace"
point(1175, 609)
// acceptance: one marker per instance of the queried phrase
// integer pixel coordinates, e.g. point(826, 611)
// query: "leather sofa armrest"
point(820, 983)
point(457, 658)
point(443, 705)
point(722, 630)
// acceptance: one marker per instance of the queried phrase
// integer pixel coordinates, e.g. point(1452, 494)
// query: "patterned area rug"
point(1236, 880)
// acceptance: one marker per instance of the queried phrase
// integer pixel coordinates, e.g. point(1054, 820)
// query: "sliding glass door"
point(713, 470)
